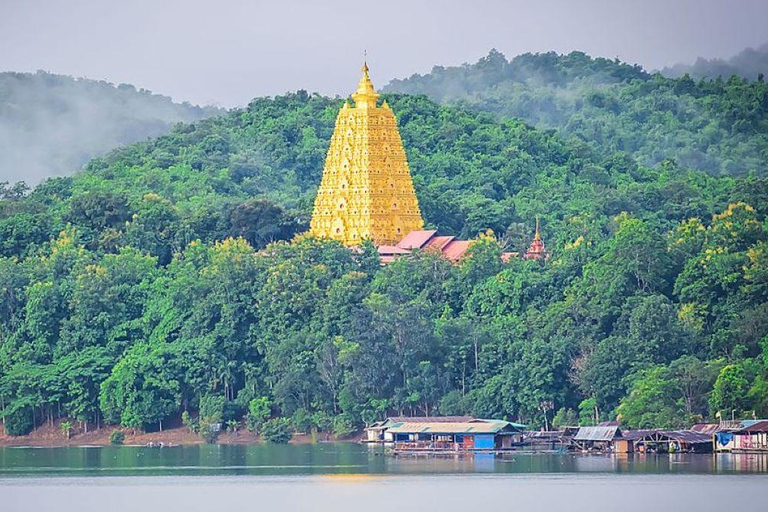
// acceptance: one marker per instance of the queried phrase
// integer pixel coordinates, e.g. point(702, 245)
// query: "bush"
point(232, 412)
point(18, 422)
point(565, 418)
point(259, 410)
point(212, 408)
point(453, 404)
point(342, 425)
point(322, 421)
point(190, 422)
point(276, 431)
point(117, 437)
point(210, 432)
point(302, 420)
point(588, 412)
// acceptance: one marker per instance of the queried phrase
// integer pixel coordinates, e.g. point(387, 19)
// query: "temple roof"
point(428, 240)
point(416, 239)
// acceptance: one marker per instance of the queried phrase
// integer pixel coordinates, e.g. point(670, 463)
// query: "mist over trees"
point(715, 125)
point(51, 125)
point(749, 63)
point(159, 280)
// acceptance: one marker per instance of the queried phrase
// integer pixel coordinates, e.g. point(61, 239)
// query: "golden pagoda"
point(366, 191)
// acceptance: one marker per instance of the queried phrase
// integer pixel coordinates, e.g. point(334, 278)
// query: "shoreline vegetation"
point(52, 436)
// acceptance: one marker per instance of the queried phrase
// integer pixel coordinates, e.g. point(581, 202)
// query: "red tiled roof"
point(451, 248)
point(416, 239)
point(506, 256)
point(456, 249)
point(391, 249)
point(439, 242)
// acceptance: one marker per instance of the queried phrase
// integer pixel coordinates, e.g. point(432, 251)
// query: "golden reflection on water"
point(349, 478)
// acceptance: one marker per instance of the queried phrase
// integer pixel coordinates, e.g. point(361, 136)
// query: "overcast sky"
point(226, 52)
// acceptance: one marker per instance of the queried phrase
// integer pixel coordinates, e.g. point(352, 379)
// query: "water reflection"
point(348, 459)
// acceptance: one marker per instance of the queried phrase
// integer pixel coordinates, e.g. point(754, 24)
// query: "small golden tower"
point(366, 191)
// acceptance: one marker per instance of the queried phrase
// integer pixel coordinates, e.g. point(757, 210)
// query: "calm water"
point(340, 477)
point(344, 458)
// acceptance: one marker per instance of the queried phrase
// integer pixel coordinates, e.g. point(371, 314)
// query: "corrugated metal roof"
point(597, 433)
point(633, 435)
point(431, 419)
point(707, 428)
point(758, 426)
point(688, 436)
point(516, 425)
point(449, 428)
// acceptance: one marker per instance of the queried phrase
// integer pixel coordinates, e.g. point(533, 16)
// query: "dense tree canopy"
point(171, 276)
point(717, 124)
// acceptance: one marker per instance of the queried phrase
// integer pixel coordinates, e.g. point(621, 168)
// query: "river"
point(338, 477)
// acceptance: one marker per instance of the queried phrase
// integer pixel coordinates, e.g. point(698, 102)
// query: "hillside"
point(749, 63)
point(154, 282)
point(50, 125)
point(719, 126)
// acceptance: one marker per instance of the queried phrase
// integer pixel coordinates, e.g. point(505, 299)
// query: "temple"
point(537, 250)
point(367, 193)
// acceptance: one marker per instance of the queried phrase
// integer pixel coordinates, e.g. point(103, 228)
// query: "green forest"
point(717, 125)
point(170, 279)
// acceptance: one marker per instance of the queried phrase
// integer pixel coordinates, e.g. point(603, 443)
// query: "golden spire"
point(366, 95)
point(366, 191)
point(537, 236)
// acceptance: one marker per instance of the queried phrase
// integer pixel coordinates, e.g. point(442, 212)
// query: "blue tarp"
point(724, 438)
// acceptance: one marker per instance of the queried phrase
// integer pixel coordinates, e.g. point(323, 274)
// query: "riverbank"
point(53, 436)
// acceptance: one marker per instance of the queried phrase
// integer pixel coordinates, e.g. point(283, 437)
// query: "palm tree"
point(66, 428)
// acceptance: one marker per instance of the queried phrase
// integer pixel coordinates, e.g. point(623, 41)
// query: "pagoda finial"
point(366, 95)
point(537, 235)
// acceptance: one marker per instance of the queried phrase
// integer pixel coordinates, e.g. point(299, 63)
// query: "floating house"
point(550, 440)
point(667, 441)
point(446, 434)
point(471, 436)
point(600, 438)
point(377, 432)
point(750, 437)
